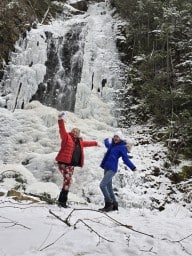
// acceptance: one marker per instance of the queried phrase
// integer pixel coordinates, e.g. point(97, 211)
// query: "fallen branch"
point(128, 226)
point(114, 220)
point(179, 241)
point(149, 251)
point(45, 238)
point(92, 230)
point(79, 220)
point(14, 223)
point(67, 220)
point(183, 238)
point(52, 242)
point(56, 216)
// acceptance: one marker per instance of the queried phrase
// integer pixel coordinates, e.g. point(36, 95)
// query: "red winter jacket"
point(68, 144)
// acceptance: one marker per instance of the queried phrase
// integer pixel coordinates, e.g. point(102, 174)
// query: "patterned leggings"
point(67, 172)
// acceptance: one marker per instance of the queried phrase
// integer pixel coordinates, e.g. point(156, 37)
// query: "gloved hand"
point(62, 115)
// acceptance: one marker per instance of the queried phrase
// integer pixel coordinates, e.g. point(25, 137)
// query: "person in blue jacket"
point(115, 149)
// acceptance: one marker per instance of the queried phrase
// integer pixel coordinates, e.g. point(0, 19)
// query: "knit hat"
point(119, 134)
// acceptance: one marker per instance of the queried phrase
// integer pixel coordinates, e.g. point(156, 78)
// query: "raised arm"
point(62, 129)
point(107, 143)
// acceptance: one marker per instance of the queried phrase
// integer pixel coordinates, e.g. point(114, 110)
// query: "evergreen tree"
point(159, 63)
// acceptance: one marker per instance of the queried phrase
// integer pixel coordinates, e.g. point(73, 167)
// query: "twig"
point(52, 242)
point(56, 216)
point(128, 226)
point(66, 221)
point(114, 220)
point(45, 15)
point(183, 238)
point(14, 223)
point(92, 230)
point(46, 238)
point(179, 241)
point(150, 250)
point(16, 99)
point(30, 205)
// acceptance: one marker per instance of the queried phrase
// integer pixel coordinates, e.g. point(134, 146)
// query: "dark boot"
point(107, 208)
point(63, 196)
point(115, 206)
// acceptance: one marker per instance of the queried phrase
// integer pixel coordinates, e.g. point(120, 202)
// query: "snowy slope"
point(30, 229)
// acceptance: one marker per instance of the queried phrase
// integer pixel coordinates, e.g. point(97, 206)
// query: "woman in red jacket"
point(70, 155)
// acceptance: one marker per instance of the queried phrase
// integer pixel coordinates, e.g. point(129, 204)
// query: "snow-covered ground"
point(41, 230)
point(29, 143)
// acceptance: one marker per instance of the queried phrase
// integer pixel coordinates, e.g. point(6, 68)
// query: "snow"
point(30, 136)
point(30, 141)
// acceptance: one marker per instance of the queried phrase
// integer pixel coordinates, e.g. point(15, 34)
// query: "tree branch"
point(67, 220)
point(179, 241)
point(92, 230)
point(183, 238)
point(14, 223)
point(52, 242)
point(56, 216)
point(150, 250)
point(128, 226)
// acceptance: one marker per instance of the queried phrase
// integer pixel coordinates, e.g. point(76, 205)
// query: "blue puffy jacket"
point(114, 152)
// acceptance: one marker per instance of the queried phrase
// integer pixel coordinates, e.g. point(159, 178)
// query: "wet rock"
point(81, 5)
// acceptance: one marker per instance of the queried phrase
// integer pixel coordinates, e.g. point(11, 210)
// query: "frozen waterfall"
point(70, 64)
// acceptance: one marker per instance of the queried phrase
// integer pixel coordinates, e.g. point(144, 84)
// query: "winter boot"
point(107, 208)
point(115, 206)
point(63, 198)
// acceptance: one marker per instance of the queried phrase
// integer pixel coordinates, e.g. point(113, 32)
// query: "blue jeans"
point(106, 186)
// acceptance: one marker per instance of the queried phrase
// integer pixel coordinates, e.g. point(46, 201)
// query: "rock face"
point(81, 5)
point(63, 69)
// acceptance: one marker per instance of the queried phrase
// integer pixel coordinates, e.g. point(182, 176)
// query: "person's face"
point(75, 132)
point(116, 139)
